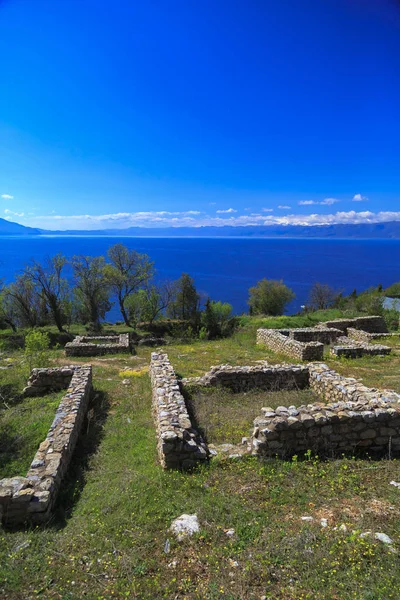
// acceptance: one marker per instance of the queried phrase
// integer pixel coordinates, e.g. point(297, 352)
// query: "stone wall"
point(179, 444)
point(351, 417)
point(373, 324)
point(276, 341)
point(352, 348)
point(363, 336)
point(32, 498)
point(85, 346)
point(324, 335)
point(240, 379)
point(43, 381)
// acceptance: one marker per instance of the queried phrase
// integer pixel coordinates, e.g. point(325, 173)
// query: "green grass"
point(108, 535)
point(23, 427)
point(226, 417)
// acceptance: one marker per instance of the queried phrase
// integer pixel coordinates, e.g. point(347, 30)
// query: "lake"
point(225, 268)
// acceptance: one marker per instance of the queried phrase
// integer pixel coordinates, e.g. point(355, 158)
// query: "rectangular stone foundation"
point(31, 498)
point(278, 342)
point(179, 444)
point(85, 346)
point(350, 417)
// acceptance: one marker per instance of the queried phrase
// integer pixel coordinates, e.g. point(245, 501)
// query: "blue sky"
point(190, 113)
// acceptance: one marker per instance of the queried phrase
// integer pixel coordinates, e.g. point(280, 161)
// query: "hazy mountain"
point(389, 230)
point(9, 228)
point(372, 230)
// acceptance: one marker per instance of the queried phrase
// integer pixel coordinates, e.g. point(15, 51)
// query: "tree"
point(393, 291)
point(127, 272)
point(322, 296)
point(92, 289)
point(269, 297)
point(51, 286)
point(217, 318)
point(7, 314)
point(23, 302)
point(185, 305)
point(148, 304)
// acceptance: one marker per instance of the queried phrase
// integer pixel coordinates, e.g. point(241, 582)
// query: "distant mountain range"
point(389, 230)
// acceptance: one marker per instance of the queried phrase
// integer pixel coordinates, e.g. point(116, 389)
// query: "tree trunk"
point(123, 311)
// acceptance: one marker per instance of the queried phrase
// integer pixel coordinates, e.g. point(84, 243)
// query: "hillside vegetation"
point(110, 538)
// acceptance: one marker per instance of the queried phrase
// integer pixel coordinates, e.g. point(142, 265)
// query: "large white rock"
point(185, 526)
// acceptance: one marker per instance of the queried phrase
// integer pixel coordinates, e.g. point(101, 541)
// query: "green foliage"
point(92, 290)
point(185, 304)
point(393, 291)
point(127, 272)
point(269, 297)
point(370, 302)
point(37, 344)
point(50, 285)
point(216, 319)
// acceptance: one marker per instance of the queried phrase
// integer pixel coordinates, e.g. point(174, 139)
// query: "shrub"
point(269, 297)
point(37, 345)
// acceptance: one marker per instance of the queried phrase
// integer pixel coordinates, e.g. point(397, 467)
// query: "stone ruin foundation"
point(349, 338)
point(348, 417)
point(108, 344)
point(179, 444)
point(31, 498)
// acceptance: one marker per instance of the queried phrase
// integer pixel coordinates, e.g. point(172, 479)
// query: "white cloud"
point(159, 219)
point(359, 198)
point(7, 196)
point(228, 210)
point(12, 213)
point(284, 207)
point(326, 202)
point(268, 209)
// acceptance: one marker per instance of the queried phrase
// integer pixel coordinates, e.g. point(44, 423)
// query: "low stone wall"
point(240, 379)
point(324, 335)
point(180, 446)
point(373, 324)
point(85, 346)
point(43, 381)
point(363, 336)
point(274, 340)
point(32, 498)
point(352, 348)
point(353, 416)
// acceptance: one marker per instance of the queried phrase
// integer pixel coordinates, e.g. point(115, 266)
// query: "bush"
point(269, 297)
point(37, 345)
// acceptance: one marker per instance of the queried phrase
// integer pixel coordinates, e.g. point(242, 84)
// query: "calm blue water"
point(224, 268)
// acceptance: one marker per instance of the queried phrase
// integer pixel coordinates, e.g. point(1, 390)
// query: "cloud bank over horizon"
point(193, 218)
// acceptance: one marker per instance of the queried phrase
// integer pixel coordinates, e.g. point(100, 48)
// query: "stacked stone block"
point(180, 446)
point(276, 341)
point(32, 498)
point(352, 348)
point(351, 417)
point(372, 324)
point(364, 336)
point(85, 346)
point(241, 379)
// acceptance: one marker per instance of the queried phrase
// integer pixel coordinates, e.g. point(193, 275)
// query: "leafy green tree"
point(127, 272)
point(370, 301)
point(92, 289)
point(393, 291)
point(186, 303)
point(51, 286)
point(216, 319)
point(147, 304)
point(23, 303)
point(269, 297)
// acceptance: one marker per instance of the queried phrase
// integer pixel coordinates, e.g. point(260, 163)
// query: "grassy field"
point(108, 536)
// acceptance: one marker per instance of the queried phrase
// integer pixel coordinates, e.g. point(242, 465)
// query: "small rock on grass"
point(185, 526)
